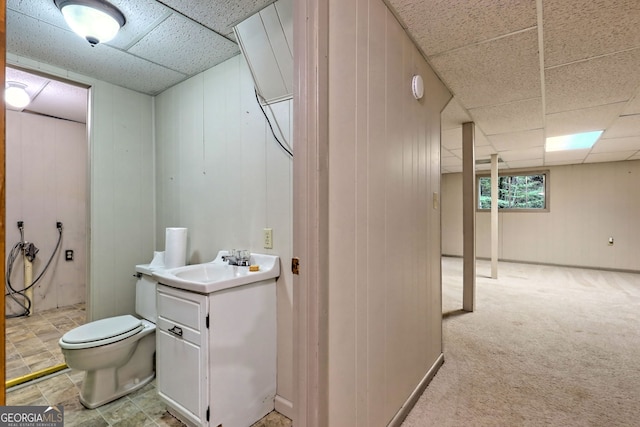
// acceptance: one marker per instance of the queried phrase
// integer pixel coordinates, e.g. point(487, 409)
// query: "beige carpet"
point(546, 346)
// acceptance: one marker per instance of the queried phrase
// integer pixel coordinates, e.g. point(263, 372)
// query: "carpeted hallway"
point(546, 346)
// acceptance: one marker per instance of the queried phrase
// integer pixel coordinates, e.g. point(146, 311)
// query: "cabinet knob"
point(176, 331)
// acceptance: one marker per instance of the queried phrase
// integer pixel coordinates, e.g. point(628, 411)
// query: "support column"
point(469, 216)
point(494, 216)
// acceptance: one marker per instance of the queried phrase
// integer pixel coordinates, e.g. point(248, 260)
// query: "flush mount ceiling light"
point(94, 20)
point(576, 141)
point(15, 94)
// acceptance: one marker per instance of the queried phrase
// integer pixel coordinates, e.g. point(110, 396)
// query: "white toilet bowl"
point(117, 354)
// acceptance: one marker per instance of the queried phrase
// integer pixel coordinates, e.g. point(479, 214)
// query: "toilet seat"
point(101, 332)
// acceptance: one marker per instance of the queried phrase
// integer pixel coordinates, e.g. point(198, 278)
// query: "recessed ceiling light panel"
point(577, 141)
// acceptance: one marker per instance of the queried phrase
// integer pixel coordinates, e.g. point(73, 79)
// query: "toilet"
point(116, 353)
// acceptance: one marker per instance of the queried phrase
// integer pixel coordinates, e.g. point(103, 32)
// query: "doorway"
point(46, 219)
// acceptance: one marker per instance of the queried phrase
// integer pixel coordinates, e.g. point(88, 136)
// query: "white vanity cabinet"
point(216, 353)
point(182, 340)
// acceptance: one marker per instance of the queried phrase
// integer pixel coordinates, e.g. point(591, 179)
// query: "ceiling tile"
point(194, 48)
point(609, 157)
point(624, 126)
point(563, 156)
point(599, 81)
point(575, 29)
point(445, 153)
point(522, 155)
point(64, 49)
point(514, 116)
point(142, 16)
point(518, 140)
point(532, 163)
point(583, 120)
point(633, 106)
point(452, 138)
point(484, 151)
point(499, 71)
point(451, 161)
point(220, 15)
point(74, 108)
point(617, 144)
point(471, 22)
point(453, 115)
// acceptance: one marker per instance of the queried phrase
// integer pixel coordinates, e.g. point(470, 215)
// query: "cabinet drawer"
point(185, 308)
point(180, 331)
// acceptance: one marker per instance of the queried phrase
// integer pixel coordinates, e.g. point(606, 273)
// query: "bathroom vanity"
point(216, 344)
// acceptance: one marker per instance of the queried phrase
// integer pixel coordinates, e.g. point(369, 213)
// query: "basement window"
point(517, 192)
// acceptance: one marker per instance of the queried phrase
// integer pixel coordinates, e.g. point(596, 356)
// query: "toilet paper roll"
point(175, 247)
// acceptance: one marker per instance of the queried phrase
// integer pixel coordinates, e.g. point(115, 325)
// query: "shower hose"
point(30, 252)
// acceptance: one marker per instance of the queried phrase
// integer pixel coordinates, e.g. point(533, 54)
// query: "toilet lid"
point(111, 329)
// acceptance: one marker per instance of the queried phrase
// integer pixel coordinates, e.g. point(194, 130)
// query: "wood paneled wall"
point(384, 228)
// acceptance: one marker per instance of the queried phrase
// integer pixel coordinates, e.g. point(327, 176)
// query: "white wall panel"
point(121, 194)
point(221, 174)
point(46, 183)
point(384, 235)
point(588, 204)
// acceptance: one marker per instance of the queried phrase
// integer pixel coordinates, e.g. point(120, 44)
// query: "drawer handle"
point(176, 331)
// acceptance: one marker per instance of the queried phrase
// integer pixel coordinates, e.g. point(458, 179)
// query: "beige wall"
point(46, 183)
point(384, 234)
point(588, 204)
point(221, 174)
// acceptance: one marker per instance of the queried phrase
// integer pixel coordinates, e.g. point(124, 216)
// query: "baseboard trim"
point(284, 406)
point(397, 420)
point(517, 261)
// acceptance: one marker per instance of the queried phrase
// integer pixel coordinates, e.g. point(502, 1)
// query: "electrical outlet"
point(610, 241)
point(68, 255)
point(268, 238)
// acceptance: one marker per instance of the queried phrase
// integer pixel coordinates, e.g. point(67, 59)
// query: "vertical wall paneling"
point(120, 222)
point(121, 194)
point(46, 183)
point(384, 246)
point(589, 204)
point(221, 174)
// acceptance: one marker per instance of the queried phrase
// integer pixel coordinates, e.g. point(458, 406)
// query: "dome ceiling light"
point(94, 20)
point(15, 94)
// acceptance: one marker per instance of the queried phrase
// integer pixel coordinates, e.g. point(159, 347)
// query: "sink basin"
point(218, 274)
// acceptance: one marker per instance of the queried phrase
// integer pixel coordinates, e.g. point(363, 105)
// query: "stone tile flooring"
point(32, 345)
point(32, 342)
point(141, 408)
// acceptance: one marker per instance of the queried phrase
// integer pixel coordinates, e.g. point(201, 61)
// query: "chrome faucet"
point(238, 257)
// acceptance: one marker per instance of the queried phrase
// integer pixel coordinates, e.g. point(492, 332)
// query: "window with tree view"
point(515, 192)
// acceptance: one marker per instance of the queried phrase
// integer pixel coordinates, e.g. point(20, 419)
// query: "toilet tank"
point(146, 288)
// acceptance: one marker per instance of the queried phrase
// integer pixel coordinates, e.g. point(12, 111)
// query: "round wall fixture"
point(417, 87)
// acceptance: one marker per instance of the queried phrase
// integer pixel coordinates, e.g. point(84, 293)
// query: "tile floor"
point(32, 344)
point(141, 408)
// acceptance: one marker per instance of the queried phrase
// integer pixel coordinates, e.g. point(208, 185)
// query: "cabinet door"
point(180, 366)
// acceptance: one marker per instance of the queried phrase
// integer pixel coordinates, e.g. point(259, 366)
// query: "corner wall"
point(384, 308)
point(221, 174)
point(588, 204)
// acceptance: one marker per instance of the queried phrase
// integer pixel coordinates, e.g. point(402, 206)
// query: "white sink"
point(218, 274)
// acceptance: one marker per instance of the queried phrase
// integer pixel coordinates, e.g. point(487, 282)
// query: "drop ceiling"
point(521, 70)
